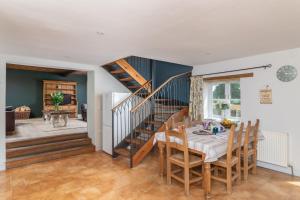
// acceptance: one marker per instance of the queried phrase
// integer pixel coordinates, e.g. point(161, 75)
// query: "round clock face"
point(287, 73)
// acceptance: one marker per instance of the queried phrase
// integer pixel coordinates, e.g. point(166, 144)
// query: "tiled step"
point(41, 148)
point(36, 158)
point(45, 140)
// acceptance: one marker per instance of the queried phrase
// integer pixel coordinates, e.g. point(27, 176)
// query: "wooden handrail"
point(159, 88)
point(133, 94)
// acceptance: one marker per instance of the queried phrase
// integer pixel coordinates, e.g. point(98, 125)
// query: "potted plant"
point(57, 98)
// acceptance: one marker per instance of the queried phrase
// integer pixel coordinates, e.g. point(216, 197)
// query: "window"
point(224, 99)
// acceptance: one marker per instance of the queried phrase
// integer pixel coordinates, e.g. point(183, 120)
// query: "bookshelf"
point(66, 87)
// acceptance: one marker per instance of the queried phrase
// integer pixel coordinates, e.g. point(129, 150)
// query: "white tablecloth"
point(214, 146)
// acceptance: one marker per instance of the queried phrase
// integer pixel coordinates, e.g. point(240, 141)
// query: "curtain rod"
point(237, 70)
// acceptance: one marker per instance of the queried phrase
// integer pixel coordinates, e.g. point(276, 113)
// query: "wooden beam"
point(61, 72)
point(131, 71)
point(229, 77)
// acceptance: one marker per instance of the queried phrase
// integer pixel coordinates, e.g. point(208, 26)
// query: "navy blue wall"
point(26, 88)
point(163, 70)
point(141, 65)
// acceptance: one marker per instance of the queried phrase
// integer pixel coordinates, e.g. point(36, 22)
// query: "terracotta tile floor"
point(96, 176)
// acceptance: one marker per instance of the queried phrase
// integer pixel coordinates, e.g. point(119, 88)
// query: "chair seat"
point(178, 159)
point(222, 162)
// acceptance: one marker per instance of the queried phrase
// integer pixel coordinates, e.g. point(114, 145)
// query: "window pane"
point(235, 108)
point(217, 110)
point(235, 91)
point(219, 91)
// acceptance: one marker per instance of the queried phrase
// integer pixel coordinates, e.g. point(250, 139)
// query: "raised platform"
point(37, 127)
point(37, 140)
point(34, 150)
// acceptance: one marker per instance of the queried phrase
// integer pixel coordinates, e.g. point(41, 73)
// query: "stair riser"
point(12, 153)
point(53, 156)
point(45, 140)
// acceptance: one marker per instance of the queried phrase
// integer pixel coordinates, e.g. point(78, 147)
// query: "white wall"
point(283, 114)
point(2, 112)
point(99, 82)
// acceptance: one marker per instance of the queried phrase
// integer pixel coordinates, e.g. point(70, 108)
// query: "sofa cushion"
point(9, 108)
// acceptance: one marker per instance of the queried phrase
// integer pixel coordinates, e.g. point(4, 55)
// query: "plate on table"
point(202, 132)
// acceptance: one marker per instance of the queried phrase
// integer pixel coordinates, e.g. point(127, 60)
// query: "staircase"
point(126, 74)
point(25, 152)
point(137, 118)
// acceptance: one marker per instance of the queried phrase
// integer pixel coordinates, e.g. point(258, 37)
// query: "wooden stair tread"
point(170, 106)
point(45, 140)
point(41, 148)
point(154, 122)
point(164, 100)
point(133, 86)
point(140, 130)
point(163, 113)
point(36, 158)
point(126, 79)
point(135, 141)
point(118, 71)
point(122, 151)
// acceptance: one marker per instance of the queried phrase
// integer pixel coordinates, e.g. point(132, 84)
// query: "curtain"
point(196, 98)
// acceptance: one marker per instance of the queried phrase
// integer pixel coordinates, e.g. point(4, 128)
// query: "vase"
point(56, 107)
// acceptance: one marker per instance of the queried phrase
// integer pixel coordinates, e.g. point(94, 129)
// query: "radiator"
point(273, 149)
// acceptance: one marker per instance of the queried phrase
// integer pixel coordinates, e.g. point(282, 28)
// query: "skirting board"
point(286, 170)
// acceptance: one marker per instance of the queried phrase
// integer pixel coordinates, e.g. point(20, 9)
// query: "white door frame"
point(4, 59)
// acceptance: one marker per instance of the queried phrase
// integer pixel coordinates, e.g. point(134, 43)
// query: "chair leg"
point(229, 179)
point(245, 167)
point(254, 162)
point(169, 171)
point(238, 170)
point(187, 181)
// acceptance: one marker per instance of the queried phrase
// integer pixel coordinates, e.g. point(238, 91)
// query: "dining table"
point(200, 142)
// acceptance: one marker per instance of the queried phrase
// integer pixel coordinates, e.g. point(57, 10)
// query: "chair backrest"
point(234, 142)
point(171, 136)
point(175, 122)
point(254, 134)
point(238, 137)
point(251, 135)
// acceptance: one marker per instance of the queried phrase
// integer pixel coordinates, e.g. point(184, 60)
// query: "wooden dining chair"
point(231, 160)
point(178, 155)
point(249, 149)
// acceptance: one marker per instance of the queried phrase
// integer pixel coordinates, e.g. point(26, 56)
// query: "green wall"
point(26, 88)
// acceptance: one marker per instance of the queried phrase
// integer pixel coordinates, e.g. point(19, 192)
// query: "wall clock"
point(287, 73)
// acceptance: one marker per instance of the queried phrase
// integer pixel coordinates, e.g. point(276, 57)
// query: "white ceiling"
point(181, 31)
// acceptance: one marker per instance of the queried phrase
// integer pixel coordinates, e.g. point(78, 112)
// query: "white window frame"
point(227, 99)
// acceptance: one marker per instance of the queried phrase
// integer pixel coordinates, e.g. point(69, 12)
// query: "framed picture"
point(266, 95)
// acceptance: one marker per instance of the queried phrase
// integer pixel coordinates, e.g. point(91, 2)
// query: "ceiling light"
point(99, 33)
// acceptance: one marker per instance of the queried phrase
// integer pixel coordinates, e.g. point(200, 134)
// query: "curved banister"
point(158, 89)
point(133, 94)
